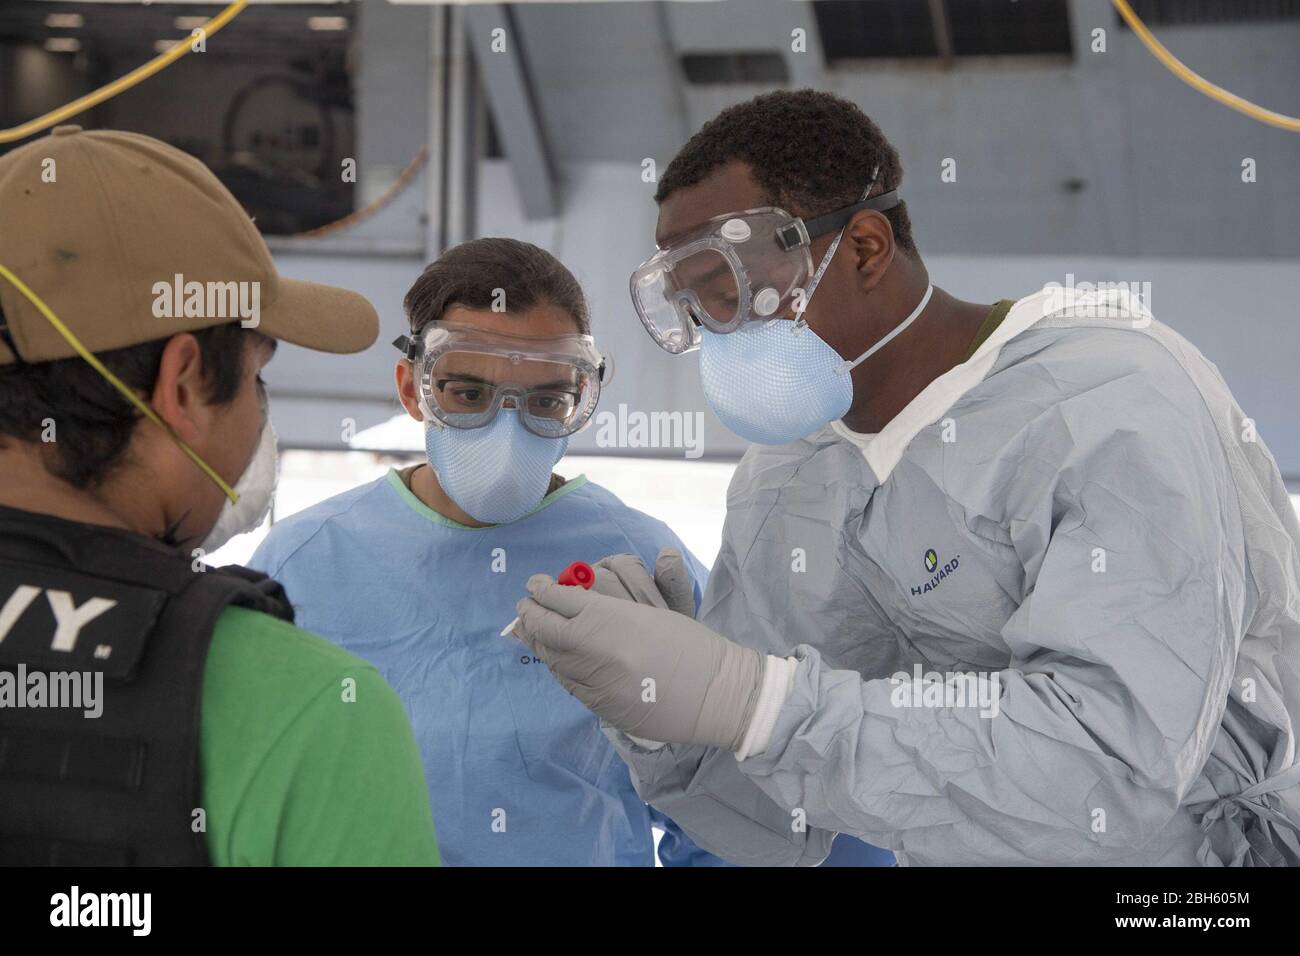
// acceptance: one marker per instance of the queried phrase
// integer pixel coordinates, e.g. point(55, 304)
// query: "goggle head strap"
point(789, 237)
point(408, 346)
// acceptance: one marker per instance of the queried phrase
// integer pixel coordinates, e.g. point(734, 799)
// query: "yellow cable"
point(1196, 82)
point(117, 383)
point(108, 91)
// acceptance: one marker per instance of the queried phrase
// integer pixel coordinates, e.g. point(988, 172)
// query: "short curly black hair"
point(813, 153)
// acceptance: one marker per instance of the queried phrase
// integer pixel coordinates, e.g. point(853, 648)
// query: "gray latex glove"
point(643, 669)
point(624, 576)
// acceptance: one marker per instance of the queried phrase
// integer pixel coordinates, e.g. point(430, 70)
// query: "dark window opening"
point(874, 29)
point(1190, 12)
point(707, 68)
point(1003, 28)
point(868, 29)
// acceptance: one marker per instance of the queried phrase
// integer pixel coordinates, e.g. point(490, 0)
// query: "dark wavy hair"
point(471, 273)
point(93, 422)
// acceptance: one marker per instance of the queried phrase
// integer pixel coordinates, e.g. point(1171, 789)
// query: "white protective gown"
point(1080, 519)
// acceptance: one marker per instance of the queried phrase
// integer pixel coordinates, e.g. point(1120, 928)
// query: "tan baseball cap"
point(98, 223)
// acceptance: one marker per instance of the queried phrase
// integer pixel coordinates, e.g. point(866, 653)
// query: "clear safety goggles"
point(467, 374)
point(734, 268)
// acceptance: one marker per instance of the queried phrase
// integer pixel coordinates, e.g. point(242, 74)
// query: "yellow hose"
point(1196, 82)
point(145, 408)
point(109, 90)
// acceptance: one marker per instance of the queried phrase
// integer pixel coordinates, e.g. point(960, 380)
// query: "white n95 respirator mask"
point(255, 489)
point(497, 473)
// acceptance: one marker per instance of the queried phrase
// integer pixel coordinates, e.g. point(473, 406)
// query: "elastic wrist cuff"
point(778, 679)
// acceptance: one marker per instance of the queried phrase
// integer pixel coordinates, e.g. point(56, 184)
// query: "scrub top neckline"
point(419, 507)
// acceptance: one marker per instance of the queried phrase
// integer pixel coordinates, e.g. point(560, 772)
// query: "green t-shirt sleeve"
point(307, 753)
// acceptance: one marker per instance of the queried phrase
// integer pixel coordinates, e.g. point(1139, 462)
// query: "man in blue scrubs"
point(418, 572)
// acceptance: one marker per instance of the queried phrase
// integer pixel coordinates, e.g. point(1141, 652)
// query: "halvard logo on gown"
point(939, 573)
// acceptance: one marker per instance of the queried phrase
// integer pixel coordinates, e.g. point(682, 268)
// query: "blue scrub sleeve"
point(677, 849)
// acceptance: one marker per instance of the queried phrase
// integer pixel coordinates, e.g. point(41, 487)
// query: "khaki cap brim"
point(321, 317)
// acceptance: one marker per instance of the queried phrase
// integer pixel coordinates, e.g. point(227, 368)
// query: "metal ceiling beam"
point(518, 124)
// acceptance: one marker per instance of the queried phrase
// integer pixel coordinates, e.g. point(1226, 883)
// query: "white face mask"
point(256, 491)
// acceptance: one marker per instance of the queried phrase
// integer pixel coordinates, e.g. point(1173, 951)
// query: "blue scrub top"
point(518, 771)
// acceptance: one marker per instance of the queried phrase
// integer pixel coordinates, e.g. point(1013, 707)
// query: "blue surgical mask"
point(497, 473)
point(777, 381)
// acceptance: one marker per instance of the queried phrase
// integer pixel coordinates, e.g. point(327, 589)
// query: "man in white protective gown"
point(999, 584)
